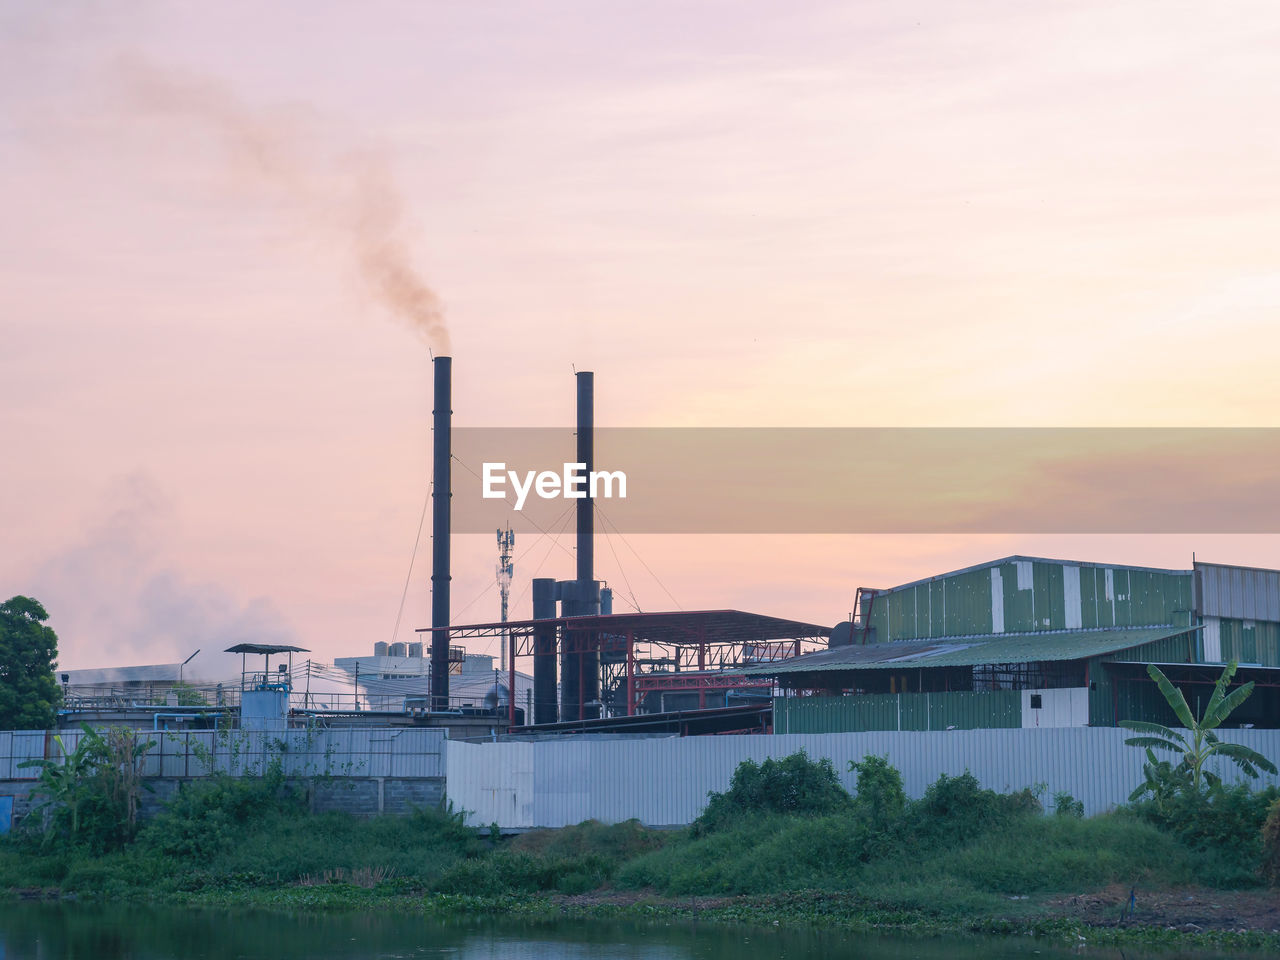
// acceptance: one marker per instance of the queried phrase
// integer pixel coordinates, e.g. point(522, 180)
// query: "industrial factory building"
point(1017, 642)
point(592, 714)
point(1020, 642)
point(1031, 642)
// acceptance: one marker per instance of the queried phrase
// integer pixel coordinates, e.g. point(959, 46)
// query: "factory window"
point(1039, 675)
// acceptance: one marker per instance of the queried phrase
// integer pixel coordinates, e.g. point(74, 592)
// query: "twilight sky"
point(218, 218)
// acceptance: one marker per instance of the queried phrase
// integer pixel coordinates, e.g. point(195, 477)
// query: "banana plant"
point(65, 780)
point(1199, 742)
point(1162, 780)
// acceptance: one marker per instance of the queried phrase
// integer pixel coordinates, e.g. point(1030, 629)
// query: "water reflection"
point(39, 931)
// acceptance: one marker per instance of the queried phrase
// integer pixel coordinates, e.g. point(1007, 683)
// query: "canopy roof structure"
point(265, 680)
point(663, 647)
point(666, 627)
point(265, 648)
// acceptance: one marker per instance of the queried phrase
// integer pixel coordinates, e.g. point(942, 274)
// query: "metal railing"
point(100, 699)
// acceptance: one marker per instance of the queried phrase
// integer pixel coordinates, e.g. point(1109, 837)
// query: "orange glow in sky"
point(216, 420)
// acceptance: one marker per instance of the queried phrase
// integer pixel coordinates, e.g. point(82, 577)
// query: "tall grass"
point(229, 834)
point(1032, 854)
point(781, 828)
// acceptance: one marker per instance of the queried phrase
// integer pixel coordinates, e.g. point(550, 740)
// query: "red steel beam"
point(631, 674)
point(702, 664)
point(648, 682)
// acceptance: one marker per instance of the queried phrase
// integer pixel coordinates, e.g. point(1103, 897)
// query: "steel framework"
point(701, 649)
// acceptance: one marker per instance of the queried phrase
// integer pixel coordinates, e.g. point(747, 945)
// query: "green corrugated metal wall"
point(961, 605)
point(907, 711)
point(1183, 648)
point(1250, 641)
point(1136, 701)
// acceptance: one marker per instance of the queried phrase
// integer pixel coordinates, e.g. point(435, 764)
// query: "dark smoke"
point(370, 212)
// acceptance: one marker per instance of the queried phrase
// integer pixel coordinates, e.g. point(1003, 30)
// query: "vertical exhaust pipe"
point(544, 651)
point(586, 455)
point(441, 494)
point(587, 592)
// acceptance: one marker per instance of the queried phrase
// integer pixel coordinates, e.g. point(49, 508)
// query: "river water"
point(40, 931)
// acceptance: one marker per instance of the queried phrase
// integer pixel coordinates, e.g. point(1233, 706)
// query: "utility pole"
point(506, 542)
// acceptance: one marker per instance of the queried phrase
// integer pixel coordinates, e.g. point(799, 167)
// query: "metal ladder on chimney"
point(861, 619)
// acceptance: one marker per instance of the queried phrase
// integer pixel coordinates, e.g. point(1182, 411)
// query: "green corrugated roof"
point(967, 651)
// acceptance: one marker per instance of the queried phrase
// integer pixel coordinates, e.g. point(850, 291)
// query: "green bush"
point(767, 853)
point(1047, 854)
point(1065, 805)
point(209, 816)
point(794, 784)
point(1222, 825)
point(936, 872)
point(88, 796)
point(1271, 845)
point(880, 795)
point(957, 809)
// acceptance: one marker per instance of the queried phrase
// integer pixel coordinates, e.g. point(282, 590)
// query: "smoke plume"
point(356, 198)
point(116, 596)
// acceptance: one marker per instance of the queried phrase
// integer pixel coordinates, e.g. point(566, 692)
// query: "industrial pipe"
point(441, 494)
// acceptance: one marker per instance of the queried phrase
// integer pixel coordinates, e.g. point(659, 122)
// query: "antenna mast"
point(506, 541)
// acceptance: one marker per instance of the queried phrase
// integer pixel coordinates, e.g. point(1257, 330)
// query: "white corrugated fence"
point(664, 782)
point(659, 781)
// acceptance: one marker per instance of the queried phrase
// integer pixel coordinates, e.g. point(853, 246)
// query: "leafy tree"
point(1201, 742)
point(28, 691)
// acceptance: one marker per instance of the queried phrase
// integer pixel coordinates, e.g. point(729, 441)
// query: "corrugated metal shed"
point(1024, 594)
point(960, 710)
point(967, 651)
point(1242, 593)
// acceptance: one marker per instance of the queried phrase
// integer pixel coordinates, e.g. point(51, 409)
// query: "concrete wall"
point(664, 782)
point(359, 796)
point(370, 796)
point(360, 771)
point(349, 751)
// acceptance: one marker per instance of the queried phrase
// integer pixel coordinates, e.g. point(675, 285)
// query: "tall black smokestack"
point(586, 455)
point(441, 494)
point(587, 592)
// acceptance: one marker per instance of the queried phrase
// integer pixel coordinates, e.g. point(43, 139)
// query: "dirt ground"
point(1191, 909)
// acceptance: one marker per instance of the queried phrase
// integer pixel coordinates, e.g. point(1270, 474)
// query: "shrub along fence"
point(659, 781)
